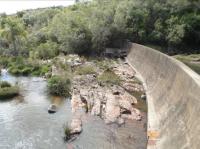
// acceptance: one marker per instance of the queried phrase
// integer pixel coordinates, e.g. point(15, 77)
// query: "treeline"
point(90, 27)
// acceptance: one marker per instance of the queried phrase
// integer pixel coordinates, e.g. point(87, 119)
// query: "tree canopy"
point(90, 27)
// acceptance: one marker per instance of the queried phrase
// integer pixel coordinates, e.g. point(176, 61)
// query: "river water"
point(26, 124)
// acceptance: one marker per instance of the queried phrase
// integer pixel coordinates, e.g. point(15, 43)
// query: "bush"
point(4, 84)
point(109, 77)
point(26, 71)
point(83, 70)
point(27, 68)
point(7, 91)
point(67, 131)
point(59, 86)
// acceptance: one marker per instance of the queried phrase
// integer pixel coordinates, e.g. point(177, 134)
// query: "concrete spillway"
point(173, 98)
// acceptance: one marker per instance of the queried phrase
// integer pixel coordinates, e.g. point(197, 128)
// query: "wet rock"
point(135, 115)
point(96, 109)
point(120, 121)
point(143, 96)
point(125, 104)
point(76, 126)
point(112, 110)
point(76, 102)
point(131, 87)
point(131, 99)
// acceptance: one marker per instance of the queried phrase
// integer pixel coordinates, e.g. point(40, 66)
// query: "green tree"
point(12, 29)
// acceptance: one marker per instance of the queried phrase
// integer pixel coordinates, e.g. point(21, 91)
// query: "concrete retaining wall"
point(173, 98)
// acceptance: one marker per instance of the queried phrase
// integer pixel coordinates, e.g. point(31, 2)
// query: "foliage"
point(83, 70)
point(192, 61)
point(46, 51)
point(4, 84)
point(20, 66)
point(109, 77)
point(88, 28)
point(7, 91)
point(104, 63)
point(59, 86)
point(67, 131)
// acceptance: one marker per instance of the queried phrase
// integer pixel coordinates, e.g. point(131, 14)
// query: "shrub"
point(109, 77)
point(44, 69)
point(83, 70)
point(67, 131)
point(59, 86)
point(4, 84)
point(7, 91)
point(105, 63)
point(26, 71)
point(28, 68)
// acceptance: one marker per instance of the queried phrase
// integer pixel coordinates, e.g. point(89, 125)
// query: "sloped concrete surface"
point(173, 98)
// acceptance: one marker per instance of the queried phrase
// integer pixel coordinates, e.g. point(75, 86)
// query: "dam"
point(173, 99)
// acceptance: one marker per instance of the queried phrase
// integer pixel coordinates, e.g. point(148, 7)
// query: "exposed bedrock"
point(173, 96)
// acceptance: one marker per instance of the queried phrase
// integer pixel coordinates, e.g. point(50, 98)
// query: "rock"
point(96, 109)
point(76, 126)
point(120, 121)
point(116, 90)
point(131, 87)
point(143, 96)
point(112, 109)
point(76, 102)
point(131, 99)
point(124, 71)
point(135, 115)
point(125, 104)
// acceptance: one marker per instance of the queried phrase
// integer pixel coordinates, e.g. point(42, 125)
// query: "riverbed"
point(26, 124)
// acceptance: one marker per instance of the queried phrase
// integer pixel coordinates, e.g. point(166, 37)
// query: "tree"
point(12, 30)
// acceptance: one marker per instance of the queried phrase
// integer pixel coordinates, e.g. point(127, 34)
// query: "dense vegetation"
point(88, 28)
point(59, 86)
point(8, 91)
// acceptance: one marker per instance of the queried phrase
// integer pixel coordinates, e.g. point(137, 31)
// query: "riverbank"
point(25, 122)
point(103, 92)
point(106, 88)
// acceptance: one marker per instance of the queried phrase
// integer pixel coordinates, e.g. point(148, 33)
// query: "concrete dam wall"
point(173, 99)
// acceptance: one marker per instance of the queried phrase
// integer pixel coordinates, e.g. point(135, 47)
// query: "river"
point(26, 124)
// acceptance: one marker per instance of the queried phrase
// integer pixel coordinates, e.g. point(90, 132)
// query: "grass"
point(192, 61)
point(157, 47)
point(29, 69)
point(59, 86)
point(109, 77)
point(7, 91)
point(105, 63)
point(67, 131)
point(84, 70)
point(4, 84)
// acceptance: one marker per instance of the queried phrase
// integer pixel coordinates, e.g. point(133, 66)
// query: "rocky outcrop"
point(113, 103)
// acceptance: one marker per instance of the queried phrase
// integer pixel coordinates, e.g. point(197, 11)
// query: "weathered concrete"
point(173, 96)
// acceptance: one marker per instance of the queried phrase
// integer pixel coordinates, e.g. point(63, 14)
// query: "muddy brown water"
point(26, 124)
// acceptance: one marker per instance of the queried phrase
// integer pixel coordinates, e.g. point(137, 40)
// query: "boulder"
point(120, 121)
point(76, 126)
point(112, 110)
point(96, 109)
point(131, 99)
point(135, 115)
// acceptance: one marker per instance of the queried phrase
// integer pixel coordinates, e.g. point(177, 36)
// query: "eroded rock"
point(76, 126)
